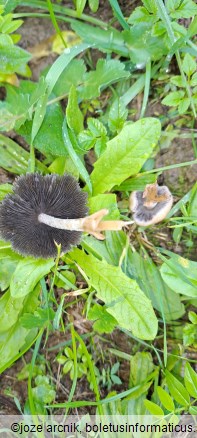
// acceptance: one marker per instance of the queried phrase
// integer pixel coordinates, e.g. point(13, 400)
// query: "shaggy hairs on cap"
point(58, 196)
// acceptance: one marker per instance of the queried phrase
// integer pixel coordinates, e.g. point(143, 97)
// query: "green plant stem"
point(146, 88)
point(64, 11)
point(172, 166)
point(166, 20)
point(54, 21)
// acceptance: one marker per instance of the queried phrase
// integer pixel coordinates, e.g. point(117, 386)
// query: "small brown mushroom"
point(150, 206)
point(45, 210)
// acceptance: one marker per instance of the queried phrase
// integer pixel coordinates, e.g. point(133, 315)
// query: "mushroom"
point(152, 205)
point(47, 210)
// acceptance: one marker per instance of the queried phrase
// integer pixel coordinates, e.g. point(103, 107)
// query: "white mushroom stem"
point(92, 224)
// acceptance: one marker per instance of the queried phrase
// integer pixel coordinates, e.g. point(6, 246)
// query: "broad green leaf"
point(7, 267)
point(61, 63)
point(14, 158)
point(72, 75)
point(123, 298)
point(141, 365)
point(165, 399)
point(74, 115)
point(142, 45)
point(108, 201)
point(106, 40)
point(145, 272)
point(27, 274)
point(125, 154)
point(136, 183)
point(177, 390)
point(180, 275)
point(105, 323)
point(107, 72)
point(49, 137)
point(153, 408)
point(13, 59)
point(10, 309)
point(14, 338)
point(190, 379)
point(117, 115)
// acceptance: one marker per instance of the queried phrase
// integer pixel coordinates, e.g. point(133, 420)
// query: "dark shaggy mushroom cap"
point(58, 196)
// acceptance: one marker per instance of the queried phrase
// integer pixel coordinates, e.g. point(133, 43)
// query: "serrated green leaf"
point(177, 390)
point(193, 81)
point(142, 45)
point(186, 9)
point(190, 379)
point(125, 154)
point(13, 59)
point(153, 408)
point(183, 105)
point(107, 72)
point(165, 399)
point(39, 319)
point(140, 14)
point(177, 80)
point(27, 274)
point(173, 99)
point(122, 296)
point(49, 137)
point(105, 323)
point(189, 64)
